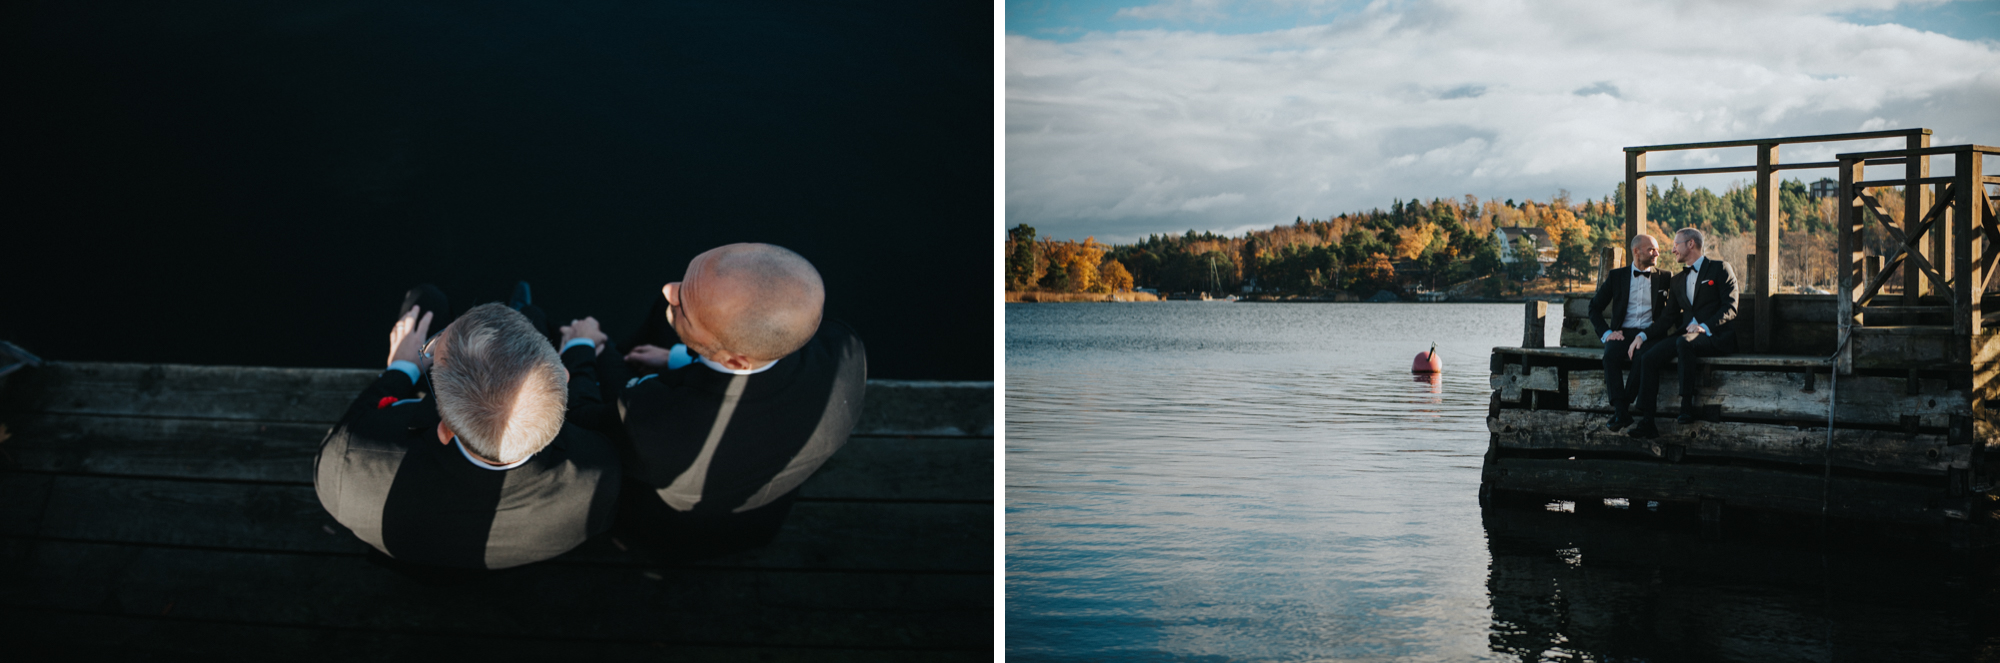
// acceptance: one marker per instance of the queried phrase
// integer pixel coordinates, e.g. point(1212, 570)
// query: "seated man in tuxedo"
point(1647, 287)
point(748, 390)
point(482, 472)
point(1701, 303)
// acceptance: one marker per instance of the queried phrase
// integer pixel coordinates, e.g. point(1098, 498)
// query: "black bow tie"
point(1637, 274)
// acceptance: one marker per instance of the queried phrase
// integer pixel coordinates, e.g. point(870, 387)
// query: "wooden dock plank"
point(1794, 362)
point(1864, 400)
point(1873, 450)
point(869, 467)
point(22, 497)
point(92, 636)
point(1796, 492)
point(714, 607)
point(920, 536)
point(318, 395)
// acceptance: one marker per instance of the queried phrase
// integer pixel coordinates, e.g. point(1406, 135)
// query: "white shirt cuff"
point(576, 342)
point(407, 368)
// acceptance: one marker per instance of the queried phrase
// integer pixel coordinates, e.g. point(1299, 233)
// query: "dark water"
point(257, 183)
point(1207, 481)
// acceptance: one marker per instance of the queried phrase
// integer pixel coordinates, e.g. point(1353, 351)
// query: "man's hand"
point(585, 328)
point(1633, 349)
point(650, 356)
point(1615, 335)
point(1695, 328)
point(406, 339)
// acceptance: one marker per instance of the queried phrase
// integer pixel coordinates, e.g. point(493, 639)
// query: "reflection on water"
point(1211, 481)
point(1634, 585)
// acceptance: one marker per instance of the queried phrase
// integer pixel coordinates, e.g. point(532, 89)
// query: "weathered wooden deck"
point(168, 512)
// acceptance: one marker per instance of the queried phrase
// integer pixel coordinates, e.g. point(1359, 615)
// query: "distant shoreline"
point(1070, 297)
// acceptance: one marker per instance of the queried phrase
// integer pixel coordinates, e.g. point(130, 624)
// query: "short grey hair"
point(500, 385)
point(1691, 235)
point(789, 296)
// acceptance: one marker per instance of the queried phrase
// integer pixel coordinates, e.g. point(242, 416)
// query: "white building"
point(1545, 247)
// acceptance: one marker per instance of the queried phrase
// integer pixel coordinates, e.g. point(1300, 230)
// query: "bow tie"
point(1638, 274)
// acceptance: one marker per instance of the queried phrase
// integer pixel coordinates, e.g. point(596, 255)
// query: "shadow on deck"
point(168, 512)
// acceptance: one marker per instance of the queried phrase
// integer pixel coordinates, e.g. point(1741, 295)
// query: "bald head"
point(757, 300)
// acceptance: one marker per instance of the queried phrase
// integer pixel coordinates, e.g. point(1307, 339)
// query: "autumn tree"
point(1113, 277)
point(1411, 241)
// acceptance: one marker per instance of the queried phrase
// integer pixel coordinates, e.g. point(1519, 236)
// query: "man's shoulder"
point(391, 426)
point(584, 447)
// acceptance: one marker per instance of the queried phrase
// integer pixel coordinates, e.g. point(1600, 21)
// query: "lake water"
point(1232, 481)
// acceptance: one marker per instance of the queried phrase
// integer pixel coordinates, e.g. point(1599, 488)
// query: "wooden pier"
point(168, 512)
point(1876, 403)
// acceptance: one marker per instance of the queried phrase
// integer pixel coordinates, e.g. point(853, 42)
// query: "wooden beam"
point(1971, 249)
point(1764, 273)
point(1914, 197)
point(1905, 152)
point(1700, 171)
point(1824, 138)
point(1848, 252)
point(1874, 450)
point(1635, 194)
point(1901, 182)
point(1772, 397)
point(1799, 492)
point(1812, 165)
point(1535, 325)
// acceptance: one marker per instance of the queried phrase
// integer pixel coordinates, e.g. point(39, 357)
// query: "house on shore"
point(1545, 246)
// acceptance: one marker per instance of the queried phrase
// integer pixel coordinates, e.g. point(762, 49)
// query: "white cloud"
point(1123, 134)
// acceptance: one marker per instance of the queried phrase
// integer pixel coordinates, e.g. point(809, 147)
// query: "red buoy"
point(1427, 362)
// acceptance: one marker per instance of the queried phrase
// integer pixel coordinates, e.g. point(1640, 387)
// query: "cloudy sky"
point(1125, 118)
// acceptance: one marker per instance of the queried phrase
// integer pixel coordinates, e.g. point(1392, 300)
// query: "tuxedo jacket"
point(382, 473)
point(1714, 302)
point(712, 443)
point(1615, 293)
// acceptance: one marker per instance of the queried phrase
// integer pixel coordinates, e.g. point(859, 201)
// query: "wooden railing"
point(1762, 272)
point(1946, 243)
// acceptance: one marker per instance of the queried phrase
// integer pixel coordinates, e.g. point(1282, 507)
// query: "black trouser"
point(1653, 358)
point(1616, 388)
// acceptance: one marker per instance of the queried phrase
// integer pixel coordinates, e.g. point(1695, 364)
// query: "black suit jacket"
point(382, 473)
point(713, 443)
point(1614, 293)
point(1714, 303)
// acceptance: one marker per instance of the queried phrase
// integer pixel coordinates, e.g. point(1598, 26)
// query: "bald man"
point(745, 390)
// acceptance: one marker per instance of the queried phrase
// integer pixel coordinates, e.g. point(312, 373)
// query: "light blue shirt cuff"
point(1704, 329)
point(1606, 337)
point(407, 368)
point(679, 357)
point(576, 342)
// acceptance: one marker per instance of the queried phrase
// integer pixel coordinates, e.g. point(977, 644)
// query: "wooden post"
point(1915, 168)
point(1537, 324)
point(1848, 254)
point(1610, 258)
point(1968, 238)
point(1635, 195)
point(1763, 274)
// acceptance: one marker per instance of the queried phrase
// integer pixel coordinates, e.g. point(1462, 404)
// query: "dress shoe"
point(1688, 412)
point(1618, 422)
point(1645, 429)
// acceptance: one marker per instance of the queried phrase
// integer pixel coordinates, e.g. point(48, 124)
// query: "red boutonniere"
point(1708, 282)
